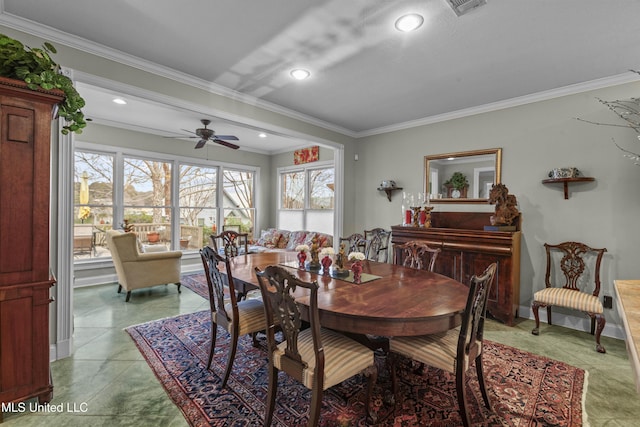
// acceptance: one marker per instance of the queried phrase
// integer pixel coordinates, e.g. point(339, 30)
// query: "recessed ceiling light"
point(409, 22)
point(119, 101)
point(262, 135)
point(300, 74)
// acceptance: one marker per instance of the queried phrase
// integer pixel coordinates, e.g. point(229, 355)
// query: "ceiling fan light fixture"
point(300, 73)
point(409, 22)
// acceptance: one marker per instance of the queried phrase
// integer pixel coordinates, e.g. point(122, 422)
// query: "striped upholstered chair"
point(568, 261)
point(236, 317)
point(317, 357)
point(456, 349)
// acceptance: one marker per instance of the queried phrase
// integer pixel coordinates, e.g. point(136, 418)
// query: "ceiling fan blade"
point(228, 137)
point(181, 137)
point(201, 143)
point(226, 144)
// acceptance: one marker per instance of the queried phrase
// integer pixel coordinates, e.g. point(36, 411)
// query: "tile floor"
point(108, 377)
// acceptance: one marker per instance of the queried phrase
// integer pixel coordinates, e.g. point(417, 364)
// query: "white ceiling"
point(366, 76)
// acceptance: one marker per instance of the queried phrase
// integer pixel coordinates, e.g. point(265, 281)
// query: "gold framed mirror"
point(462, 177)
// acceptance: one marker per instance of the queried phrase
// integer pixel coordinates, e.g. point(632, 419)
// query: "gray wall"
point(535, 139)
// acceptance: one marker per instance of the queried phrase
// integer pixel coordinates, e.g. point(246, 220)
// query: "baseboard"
point(60, 350)
point(573, 322)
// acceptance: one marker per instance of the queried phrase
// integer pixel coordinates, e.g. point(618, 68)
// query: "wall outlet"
point(608, 302)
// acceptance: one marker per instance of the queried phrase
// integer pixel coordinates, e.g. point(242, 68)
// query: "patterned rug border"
point(194, 413)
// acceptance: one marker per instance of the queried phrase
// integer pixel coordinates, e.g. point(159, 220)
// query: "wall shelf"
point(389, 191)
point(566, 181)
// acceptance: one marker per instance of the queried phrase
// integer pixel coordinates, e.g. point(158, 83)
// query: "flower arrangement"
point(327, 252)
point(302, 248)
point(355, 256)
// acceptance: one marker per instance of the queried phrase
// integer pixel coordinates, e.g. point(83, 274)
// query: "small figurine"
point(506, 205)
point(314, 264)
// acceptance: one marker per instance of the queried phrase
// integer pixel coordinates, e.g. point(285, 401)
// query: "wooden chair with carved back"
point(419, 255)
point(578, 265)
point(232, 242)
point(353, 243)
point(317, 357)
point(455, 350)
point(236, 317)
point(377, 244)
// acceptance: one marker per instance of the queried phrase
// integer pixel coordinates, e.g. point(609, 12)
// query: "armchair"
point(141, 270)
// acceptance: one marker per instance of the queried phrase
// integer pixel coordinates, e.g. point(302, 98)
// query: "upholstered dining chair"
point(237, 318)
point(456, 349)
point(233, 243)
point(317, 357)
point(419, 255)
point(354, 243)
point(377, 244)
point(578, 265)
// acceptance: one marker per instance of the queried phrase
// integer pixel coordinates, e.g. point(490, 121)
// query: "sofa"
point(273, 239)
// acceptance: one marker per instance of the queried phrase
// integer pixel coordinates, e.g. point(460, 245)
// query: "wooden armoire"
point(25, 275)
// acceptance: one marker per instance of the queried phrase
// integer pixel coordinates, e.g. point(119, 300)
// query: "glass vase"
point(302, 257)
point(326, 264)
point(356, 267)
point(407, 212)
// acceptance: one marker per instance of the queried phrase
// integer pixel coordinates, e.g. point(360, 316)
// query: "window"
point(147, 199)
point(169, 202)
point(93, 199)
point(237, 201)
point(307, 199)
point(198, 211)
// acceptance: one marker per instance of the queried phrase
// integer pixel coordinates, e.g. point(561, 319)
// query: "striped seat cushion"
point(343, 357)
point(437, 350)
point(251, 313)
point(569, 298)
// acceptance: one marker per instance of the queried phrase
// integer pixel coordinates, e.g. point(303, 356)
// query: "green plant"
point(458, 181)
point(35, 67)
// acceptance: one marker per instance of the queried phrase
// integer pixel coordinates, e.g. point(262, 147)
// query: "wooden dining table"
point(402, 302)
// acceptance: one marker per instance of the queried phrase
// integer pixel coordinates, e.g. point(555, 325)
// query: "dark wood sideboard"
point(467, 249)
point(25, 275)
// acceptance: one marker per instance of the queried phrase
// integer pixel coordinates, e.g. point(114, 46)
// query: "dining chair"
point(454, 350)
point(578, 266)
point(355, 242)
point(377, 244)
point(317, 357)
point(236, 317)
point(233, 243)
point(419, 255)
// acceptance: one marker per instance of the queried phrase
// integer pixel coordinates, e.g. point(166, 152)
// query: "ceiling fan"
point(205, 134)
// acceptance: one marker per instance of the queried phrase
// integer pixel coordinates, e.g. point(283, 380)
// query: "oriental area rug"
point(525, 389)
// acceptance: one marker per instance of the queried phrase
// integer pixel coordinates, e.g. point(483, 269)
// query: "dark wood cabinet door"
point(25, 275)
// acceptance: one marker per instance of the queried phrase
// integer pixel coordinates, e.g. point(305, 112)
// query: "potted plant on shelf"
point(38, 70)
point(457, 185)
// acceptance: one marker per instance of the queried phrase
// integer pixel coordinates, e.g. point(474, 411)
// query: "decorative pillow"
point(296, 238)
point(284, 239)
point(269, 238)
point(325, 240)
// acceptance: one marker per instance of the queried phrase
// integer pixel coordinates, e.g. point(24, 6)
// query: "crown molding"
point(57, 36)
point(508, 103)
